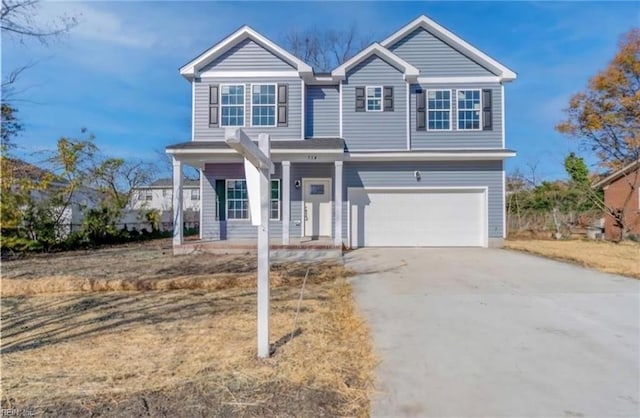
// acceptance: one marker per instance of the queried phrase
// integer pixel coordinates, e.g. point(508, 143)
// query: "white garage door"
point(418, 217)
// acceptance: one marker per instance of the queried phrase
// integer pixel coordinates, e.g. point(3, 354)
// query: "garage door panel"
point(417, 217)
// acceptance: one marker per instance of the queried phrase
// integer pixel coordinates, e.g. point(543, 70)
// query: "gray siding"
point(201, 115)
point(322, 112)
point(456, 138)
point(434, 174)
point(247, 55)
point(434, 58)
point(374, 130)
point(214, 229)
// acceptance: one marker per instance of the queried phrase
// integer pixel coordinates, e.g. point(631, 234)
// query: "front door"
point(317, 207)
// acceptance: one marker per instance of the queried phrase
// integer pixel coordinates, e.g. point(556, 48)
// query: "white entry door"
point(418, 218)
point(316, 195)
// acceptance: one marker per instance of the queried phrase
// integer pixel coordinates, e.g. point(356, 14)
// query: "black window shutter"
point(421, 110)
point(388, 98)
point(213, 105)
point(283, 104)
point(487, 114)
point(360, 100)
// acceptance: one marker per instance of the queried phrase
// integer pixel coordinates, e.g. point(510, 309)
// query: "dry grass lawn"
point(186, 347)
point(622, 258)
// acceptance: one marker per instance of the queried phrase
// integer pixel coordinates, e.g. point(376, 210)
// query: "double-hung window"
point(232, 105)
point(438, 110)
point(238, 200)
point(195, 194)
point(469, 107)
point(374, 99)
point(263, 105)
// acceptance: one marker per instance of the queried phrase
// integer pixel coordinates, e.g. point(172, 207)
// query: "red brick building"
point(617, 188)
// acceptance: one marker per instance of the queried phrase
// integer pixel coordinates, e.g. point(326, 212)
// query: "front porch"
point(306, 209)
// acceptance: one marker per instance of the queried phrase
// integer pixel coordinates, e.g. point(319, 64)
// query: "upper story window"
point(263, 105)
point(195, 194)
point(469, 109)
point(439, 110)
point(374, 99)
point(232, 105)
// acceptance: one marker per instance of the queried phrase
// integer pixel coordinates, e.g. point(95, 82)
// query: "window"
point(195, 194)
point(374, 99)
point(439, 110)
point(316, 189)
point(232, 105)
point(166, 193)
point(275, 200)
point(238, 201)
point(263, 105)
point(469, 109)
point(145, 195)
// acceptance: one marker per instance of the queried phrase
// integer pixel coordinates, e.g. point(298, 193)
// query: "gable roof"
point(410, 72)
point(617, 174)
point(190, 69)
point(454, 41)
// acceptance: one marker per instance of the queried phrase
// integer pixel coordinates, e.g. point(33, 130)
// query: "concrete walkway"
point(495, 333)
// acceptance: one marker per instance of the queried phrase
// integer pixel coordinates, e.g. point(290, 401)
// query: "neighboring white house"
point(159, 195)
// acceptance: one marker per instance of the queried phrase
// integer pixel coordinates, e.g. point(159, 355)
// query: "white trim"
point(275, 105)
point(244, 105)
point(303, 182)
point(201, 220)
point(458, 80)
point(279, 218)
point(429, 156)
point(454, 41)
point(193, 109)
point(232, 151)
point(226, 202)
point(408, 112)
point(483, 189)
point(191, 68)
point(503, 115)
point(286, 202)
point(467, 110)
point(303, 112)
point(248, 74)
point(504, 204)
point(426, 106)
point(366, 98)
point(337, 202)
point(409, 70)
point(340, 108)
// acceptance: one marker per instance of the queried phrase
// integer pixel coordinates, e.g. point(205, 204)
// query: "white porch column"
point(286, 201)
point(200, 221)
point(177, 202)
point(338, 203)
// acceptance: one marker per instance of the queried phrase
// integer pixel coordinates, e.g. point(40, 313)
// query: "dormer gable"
point(245, 37)
point(409, 71)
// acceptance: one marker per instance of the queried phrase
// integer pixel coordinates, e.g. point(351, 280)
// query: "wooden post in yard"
point(258, 168)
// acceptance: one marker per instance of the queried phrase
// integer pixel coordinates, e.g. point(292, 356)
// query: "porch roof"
point(316, 144)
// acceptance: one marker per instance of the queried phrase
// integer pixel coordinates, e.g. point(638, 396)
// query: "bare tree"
point(165, 165)
point(325, 49)
point(18, 19)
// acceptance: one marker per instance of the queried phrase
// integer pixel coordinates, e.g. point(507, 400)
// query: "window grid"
point(263, 105)
point(238, 201)
point(195, 194)
point(374, 99)
point(469, 107)
point(232, 105)
point(439, 110)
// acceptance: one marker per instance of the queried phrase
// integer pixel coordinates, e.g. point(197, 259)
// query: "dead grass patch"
point(186, 352)
point(622, 258)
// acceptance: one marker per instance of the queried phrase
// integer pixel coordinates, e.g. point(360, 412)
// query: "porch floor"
point(300, 248)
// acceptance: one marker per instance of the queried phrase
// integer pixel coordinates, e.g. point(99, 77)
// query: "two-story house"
point(402, 145)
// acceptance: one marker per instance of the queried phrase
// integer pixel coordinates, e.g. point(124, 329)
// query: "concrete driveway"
point(487, 332)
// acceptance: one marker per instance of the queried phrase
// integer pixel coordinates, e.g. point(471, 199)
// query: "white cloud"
point(95, 24)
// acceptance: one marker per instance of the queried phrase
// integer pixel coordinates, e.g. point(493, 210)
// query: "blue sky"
point(116, 73)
